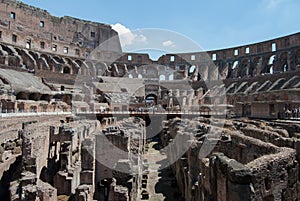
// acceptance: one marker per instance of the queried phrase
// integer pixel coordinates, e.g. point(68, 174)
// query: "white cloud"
point(168, 43)
point(127, 37)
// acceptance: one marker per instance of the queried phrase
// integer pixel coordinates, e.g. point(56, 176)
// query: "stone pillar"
point(87, 162)
point(177, 93)
point(237, 177)
point(276, 64)
point(291, 60)
point(190, 97)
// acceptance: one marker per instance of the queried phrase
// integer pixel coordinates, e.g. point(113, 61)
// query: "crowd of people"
point(291, 112)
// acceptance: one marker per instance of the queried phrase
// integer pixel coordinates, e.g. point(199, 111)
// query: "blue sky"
point(213, 24)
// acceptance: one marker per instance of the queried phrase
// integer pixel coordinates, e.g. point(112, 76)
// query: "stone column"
point(291, 61)
point(87, 162)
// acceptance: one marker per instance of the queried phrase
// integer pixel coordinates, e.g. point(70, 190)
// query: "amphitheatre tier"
point(81, 123)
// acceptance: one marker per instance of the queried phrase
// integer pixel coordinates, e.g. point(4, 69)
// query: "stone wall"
point(37, 29)
point(243, 162)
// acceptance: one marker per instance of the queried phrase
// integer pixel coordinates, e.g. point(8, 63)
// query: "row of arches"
point(271, 63)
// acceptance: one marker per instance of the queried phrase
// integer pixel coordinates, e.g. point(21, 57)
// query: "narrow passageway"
point(161, 183)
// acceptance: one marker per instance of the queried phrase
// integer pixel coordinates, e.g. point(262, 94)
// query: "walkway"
point(160, 185)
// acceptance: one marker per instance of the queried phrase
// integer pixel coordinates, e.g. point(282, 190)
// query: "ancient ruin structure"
point(82, 122)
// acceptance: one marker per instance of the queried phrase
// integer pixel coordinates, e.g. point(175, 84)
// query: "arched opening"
point(297, 57)
point(22, 96)
point(162, 77)
point(235, 64)
point(42, 64)
point(45, 97)
point(140, 76)
point(34, 96)
point(100, 69)
point(28, 44)
point(256, 66)
point(192, 69)
point(91, 69)
point(78, 62)
point(66, 70)
point(271, 60)
point(284, 62)
point(244, 69)
point(130, 76)
point(151, 100)
point(271, 70)
point(58, 59)
point(171, 77)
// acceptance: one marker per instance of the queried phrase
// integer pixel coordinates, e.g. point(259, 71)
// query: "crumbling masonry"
point(76, 122)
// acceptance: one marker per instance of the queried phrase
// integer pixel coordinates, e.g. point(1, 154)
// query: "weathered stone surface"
point(236, 172)
point(240, 192)
point(43, 57)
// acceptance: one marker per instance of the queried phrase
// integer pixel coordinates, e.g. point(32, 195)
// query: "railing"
point(26, 114)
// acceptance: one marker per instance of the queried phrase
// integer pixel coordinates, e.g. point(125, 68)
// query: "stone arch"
point(19, 57)
point(42, 64)
point(244, 68)
point(264, 87)
point(35, 55)
point(191, 70)
point(46, 97)
point(223, 70)
point(55, 65)
point(34, 96)
point(122, 69)
point(45, 56)
point(48, 61)
point(297, 58)
point(66, 69)
point(257, 65)
point(270, 62)
point(75, 67)
point(213, 72)
point(58, 59)
point(283, 62)
point(13, 61)
point(101, 69)
point(22, 96)
point(79, 62)
point(91, 68)
point(278, 84)
point(28, 60)
point(83, 69)
point(291, 82)
point(151, 99)
point(132, 71)
point(7, 50)
point(203, 71)
point(162, 77)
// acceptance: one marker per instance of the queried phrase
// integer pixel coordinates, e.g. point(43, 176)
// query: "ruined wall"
point(118, 155)
point(31, 26)
point(243, 163)
point(34, 28)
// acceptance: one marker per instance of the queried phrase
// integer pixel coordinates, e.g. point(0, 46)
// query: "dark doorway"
point(151, 100)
